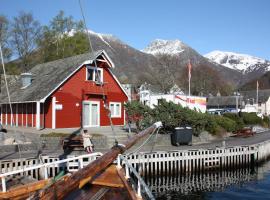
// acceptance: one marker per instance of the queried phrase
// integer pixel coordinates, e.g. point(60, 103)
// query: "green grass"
point(54, 134)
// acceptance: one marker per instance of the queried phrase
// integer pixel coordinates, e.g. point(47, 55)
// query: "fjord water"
point(244, 183)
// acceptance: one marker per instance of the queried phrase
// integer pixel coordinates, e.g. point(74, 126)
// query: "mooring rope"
point(98, 75)
point(9, 99)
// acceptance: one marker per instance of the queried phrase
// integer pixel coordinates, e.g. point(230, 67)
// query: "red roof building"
point(79, 91)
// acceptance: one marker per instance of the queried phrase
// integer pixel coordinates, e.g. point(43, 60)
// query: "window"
point(93, 74)
point(115, 109)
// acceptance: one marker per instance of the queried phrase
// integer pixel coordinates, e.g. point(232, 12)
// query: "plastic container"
point(181, 135)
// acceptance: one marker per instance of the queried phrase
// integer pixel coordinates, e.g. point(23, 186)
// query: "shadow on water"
point(212, 184)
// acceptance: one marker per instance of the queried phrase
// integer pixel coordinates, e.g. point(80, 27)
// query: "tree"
point(205, 80)
point(64, 37)
point(163, 74)
point(4, 36)
point(25, 32)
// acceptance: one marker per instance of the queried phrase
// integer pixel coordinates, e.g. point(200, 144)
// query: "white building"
point(150, 98)
point(263, 106)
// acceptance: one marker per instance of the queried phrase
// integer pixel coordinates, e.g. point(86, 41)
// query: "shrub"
point(265, 122)
point(226, 123)
point(235, 117)
point(172, 115)
point(250, 118)
point(138, 114)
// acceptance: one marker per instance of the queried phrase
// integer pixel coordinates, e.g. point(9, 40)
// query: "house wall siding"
point(23, 114)
point(77, 89)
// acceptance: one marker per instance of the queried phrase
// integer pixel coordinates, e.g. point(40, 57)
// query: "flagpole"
point(189, 90)
point(257, 99)
point(189, 77)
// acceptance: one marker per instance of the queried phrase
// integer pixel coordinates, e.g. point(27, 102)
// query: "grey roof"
point(223, 101)
point(263, 95)
point(46, 77)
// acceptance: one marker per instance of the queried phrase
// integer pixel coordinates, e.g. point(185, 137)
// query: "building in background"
point(244, 101)
point(131, 92)
point(151, 95)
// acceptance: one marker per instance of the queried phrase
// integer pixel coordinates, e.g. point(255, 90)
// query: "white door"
point(91, 113)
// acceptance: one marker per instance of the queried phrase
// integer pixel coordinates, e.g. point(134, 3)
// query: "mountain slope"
point(250, 66)
point(264, 83)
point(185, 53)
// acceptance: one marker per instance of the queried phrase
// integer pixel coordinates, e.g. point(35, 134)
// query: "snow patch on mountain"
point(240, 62)
point(160, 46)
point(102, 36)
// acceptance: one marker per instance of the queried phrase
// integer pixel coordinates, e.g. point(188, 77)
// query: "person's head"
point(84, 131)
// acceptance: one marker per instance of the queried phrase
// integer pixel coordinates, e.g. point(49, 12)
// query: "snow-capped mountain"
point(240, 62)
point(160, 46)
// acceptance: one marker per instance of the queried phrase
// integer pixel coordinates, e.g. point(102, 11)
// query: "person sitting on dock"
point(87, 143)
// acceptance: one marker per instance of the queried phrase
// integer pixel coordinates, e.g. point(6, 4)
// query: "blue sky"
point(233, 25)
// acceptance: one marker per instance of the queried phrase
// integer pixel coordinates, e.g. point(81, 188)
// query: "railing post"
point(139, 193)
point(4, 187)
point(119, 162)
point(45, 172)
point(80, 163)
point(127, 172)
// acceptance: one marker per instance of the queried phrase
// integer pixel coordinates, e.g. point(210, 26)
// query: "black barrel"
point(181, 135)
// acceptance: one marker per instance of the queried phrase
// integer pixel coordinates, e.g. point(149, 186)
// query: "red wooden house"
point(66, 93)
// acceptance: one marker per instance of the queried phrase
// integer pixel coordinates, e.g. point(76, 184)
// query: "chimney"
point(26, 79)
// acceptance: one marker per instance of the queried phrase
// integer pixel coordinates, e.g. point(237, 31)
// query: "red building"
point(66, 93)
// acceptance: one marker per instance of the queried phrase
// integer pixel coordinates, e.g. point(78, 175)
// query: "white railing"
point(72, 164)
point(192, 159)
point(138, 182)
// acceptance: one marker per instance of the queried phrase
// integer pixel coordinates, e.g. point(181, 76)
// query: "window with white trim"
point(94, 74)
point(115, 108)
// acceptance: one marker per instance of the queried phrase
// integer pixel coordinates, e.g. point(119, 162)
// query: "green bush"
point(172, 115)
point(226, 123)
point(250, 118)
point(212, 125)
point(139, 114)
point(235, 117)
point(265, 122)
point(169, 114)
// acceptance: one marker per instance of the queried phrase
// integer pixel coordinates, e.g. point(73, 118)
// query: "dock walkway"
point(229, 141)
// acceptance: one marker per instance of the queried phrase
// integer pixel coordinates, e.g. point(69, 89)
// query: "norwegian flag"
point(189, 70)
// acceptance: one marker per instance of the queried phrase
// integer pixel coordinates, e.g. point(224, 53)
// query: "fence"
point(50, 167)
point(168, 162)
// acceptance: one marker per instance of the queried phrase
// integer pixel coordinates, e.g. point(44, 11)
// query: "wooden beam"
point(130, 191)
point(24, 190)
point(77, 180)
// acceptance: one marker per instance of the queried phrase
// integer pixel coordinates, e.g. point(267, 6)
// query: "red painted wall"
point(25, 114)
point(76, 89)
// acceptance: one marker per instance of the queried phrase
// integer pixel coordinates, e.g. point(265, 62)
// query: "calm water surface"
point(238, 184)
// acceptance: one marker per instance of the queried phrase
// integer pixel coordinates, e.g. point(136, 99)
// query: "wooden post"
point(127, 172)
point(38, 116)
point(119, 162)
point(4, 187)
point(80, 163)
point(139, 190)
point(45, 173)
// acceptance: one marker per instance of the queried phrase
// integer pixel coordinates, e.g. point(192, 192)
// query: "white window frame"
point(94, 73)
point(113, 115)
